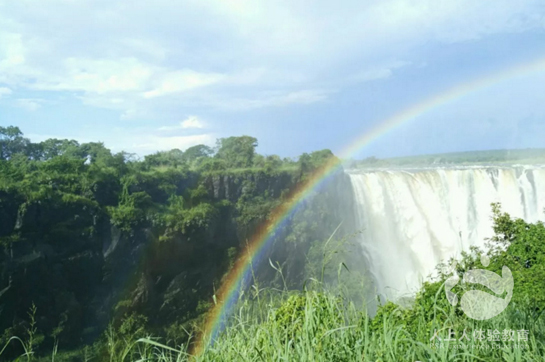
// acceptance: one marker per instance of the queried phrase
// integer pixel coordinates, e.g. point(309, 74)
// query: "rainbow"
point(240, 275)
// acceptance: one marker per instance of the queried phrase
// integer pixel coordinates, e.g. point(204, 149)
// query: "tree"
point(54, 147)
point(308, 163)
point(259, 161)
point(212, 164)
point(237, 151)
point(12, 142)
point(174, 157)
point(304, 163)
point(197, 154)
point(320, 158)
point(96, 152)
point(273, 162)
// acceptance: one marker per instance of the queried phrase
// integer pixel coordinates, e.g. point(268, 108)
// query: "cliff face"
point(67, 258)
point(54, 260)
point(232, 187)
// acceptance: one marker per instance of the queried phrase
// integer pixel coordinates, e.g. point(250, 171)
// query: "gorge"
point(92, 239)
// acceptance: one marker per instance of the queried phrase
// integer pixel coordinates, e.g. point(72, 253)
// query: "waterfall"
point(411, 220)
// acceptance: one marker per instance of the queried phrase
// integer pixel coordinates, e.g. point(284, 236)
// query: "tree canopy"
point(237, 152)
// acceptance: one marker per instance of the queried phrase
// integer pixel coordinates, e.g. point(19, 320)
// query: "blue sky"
point(143, 76)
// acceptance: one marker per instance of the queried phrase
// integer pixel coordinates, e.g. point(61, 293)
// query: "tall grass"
point(320, 325)
point(327, 324)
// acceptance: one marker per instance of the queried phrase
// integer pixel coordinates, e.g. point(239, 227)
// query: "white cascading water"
point(412, 220)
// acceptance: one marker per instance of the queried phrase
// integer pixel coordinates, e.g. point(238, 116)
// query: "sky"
point(299, 75)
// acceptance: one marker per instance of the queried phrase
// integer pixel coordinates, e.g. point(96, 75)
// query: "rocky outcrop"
point(232, 186)
point(54, 260)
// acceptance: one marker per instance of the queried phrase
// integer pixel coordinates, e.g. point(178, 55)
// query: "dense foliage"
point(319, 324)
point(91, 238)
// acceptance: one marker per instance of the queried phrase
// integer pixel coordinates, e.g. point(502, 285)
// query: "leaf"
point(270, 262)
point(157, 344)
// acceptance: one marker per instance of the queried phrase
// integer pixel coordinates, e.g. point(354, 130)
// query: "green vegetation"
point(102, 251)
point(92, 239)
point(495, 157)
point(321, 324)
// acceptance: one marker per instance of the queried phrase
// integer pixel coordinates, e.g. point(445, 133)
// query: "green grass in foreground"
point(323, 326)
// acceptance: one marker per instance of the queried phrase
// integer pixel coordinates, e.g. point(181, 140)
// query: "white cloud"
point(383, 71)
point(192, 122)
point(101, 76)
point(181, 81)
point(130, 113)
point(247, 54)
point(30, 105)
point(119, 78)
point(4, 91)
point(276, 99)
point(188, 123)
point(329, 31)
point(11, 50)
point(303, 97)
